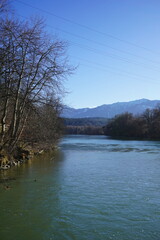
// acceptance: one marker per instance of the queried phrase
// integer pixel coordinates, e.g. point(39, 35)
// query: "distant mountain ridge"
point(111, 110)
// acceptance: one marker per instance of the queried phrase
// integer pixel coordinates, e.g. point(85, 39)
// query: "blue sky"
point(114, 43)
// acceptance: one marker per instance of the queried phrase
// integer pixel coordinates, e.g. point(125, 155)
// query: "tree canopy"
point(145, 126)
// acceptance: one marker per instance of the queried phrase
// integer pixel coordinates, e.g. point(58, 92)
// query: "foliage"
point(85, 121)
point(89, 126)
point(86, 130)
point(145, 126)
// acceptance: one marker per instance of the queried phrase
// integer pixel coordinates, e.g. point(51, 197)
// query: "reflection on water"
point(93, 188)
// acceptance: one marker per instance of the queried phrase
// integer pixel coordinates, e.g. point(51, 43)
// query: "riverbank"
point(22, 155)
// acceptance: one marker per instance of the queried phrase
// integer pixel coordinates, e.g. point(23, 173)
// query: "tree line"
point(89, 126)
point(126, 125)
point(144, 126)
point(84, 130)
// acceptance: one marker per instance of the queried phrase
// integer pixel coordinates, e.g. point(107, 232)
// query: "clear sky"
point(114, 43)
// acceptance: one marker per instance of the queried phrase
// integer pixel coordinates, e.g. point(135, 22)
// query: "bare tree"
point(3, 6)
point(31, 66)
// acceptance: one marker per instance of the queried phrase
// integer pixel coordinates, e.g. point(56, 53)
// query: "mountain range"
point(110, 110)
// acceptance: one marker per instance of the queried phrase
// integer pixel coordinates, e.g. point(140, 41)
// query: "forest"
point(89, 126)
point(145, 126)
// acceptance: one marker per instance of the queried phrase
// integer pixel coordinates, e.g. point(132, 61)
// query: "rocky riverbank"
point(20, 156)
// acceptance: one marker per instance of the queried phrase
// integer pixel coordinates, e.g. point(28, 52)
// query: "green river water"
point(94, 188)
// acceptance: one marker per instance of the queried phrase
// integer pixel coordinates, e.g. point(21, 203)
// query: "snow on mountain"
point(110, 110)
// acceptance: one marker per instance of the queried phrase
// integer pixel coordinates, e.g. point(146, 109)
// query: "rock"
point(14, 163)
point(7, 187)
point(4, 161)
point(5, 167)
point(39, 152)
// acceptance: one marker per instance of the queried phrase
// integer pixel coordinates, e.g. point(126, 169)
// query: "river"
point(93, 188)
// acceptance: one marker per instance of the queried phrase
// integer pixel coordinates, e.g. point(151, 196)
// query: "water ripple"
point(109, 148)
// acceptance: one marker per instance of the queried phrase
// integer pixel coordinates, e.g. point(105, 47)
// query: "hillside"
point(110, 110)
